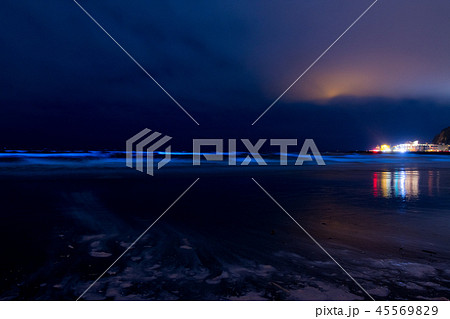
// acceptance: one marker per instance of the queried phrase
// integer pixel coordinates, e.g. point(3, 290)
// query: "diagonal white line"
point(136, 62)
point(314, 240)
point(137, 239)
point(315, 61)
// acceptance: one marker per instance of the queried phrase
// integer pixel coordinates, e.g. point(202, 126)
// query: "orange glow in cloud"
point(328, 86)
point(366, 76)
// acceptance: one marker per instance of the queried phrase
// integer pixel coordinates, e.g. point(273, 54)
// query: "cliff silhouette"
point(443, 137)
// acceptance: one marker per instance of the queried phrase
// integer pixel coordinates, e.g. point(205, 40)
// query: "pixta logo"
point(253, 151)
point(143, 154)
point(145, 149)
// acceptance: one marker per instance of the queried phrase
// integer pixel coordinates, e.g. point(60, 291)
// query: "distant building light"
point(412, 147)
point(385, 148)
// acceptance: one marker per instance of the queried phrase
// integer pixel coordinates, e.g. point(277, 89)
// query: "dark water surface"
point(385, 219)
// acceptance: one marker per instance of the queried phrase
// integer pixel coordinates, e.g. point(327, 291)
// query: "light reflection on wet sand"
point(405, 183)
point(401, 183)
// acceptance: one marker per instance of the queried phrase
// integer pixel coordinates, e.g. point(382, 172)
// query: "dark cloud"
point(64, 83)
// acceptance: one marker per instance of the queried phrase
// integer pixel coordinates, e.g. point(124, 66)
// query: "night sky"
point(64, 84)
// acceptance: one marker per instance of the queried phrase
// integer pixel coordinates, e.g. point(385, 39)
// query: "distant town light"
point(385, 148)
point(412, 147)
